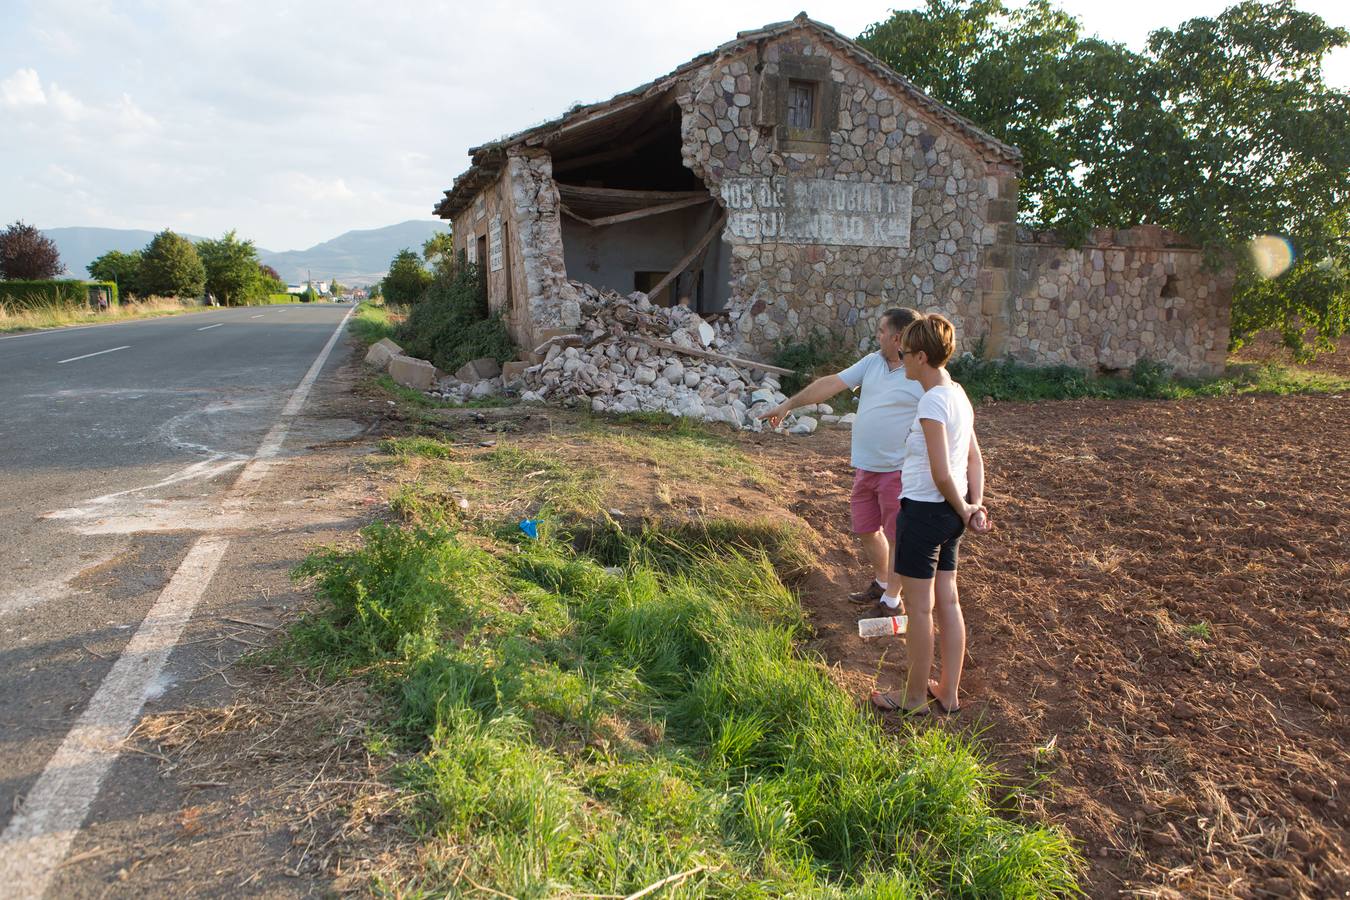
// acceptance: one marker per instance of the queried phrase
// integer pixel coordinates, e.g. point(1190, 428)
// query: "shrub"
point(450, 325)
point(820, 354)
point(63, 292)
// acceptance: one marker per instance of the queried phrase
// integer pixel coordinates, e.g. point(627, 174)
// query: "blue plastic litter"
point(530, 527)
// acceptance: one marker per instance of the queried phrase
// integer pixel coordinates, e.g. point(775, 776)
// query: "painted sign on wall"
point(495, 244)
point(479, 208)
point(471, 250)
point(783, 209)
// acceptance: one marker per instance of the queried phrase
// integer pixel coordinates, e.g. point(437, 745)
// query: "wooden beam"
point(581, 192)
point(689, 257)
point(705, 354)
point(567, 212)
point(646, 211)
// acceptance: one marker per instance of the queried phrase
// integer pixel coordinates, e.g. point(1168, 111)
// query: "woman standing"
point(942, 496)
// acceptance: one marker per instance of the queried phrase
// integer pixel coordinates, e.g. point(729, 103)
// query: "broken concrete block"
point(803, 425)
point(478, 370)
point(513, 371)
point(411, 372)
point(847, 419)
point(381, 352)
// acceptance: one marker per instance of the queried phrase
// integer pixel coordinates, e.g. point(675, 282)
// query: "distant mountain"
point(355, 258)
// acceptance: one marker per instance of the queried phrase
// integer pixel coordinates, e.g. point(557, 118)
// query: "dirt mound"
point(1158, 628)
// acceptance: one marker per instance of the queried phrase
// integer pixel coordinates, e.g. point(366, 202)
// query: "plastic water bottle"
point(886, 625)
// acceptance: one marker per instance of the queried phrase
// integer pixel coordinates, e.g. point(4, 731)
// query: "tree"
point(232, 270)
point(28, 254)
point(407, 281)
point(439, 252)
point(271, 279)
point(1222, 130)
point(337, 290)
point(123, 269)
point(172, 267)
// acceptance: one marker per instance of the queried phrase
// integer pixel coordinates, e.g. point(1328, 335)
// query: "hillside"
point(354, 257)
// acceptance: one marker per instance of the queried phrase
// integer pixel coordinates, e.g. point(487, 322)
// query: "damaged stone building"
point(790, 183)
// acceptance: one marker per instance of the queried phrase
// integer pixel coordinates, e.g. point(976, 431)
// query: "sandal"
point(942, 707)
point(884, 703)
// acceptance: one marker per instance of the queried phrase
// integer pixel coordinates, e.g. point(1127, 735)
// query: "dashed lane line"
point(40, 834)
point(209, 327)
point(62, 362)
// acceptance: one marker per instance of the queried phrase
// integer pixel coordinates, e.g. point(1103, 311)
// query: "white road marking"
point(209, 327)
point(87, 355)
point(258, 316)
point(40, 833)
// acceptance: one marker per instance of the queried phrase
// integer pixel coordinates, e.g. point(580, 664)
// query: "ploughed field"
point(1159, 628)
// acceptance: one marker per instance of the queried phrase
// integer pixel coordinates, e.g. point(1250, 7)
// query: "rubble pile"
point(624, 355)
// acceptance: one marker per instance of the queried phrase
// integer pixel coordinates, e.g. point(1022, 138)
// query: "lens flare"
point(1271, 254)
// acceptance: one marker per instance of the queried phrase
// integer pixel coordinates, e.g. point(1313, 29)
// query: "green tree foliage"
point(449, 326)
point(337, 290)
point(272, 282)
point(407, 280)
point(1223, 129)
point(233, 275)
point(27, 254)
point(171, 267)
point(123, 269)
point(439, 252)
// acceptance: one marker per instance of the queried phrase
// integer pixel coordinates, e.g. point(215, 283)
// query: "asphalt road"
point(120, 446)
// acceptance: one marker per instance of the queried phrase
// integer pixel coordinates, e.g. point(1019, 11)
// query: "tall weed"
point(593, 717)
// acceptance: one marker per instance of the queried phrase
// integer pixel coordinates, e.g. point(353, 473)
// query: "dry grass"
point(62, 315)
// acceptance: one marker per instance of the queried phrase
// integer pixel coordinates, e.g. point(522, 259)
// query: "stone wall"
point(961, 204)
point(1122, 297)
point(529, 286)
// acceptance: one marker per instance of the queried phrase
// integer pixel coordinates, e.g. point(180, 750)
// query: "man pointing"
point(886, 408)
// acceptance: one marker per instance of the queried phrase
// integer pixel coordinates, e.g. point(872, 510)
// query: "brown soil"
point(1158, 627)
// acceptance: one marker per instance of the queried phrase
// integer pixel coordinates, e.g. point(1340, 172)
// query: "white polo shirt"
point(886, 409)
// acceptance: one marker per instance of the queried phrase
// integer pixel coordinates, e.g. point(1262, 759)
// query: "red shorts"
point(875, 502)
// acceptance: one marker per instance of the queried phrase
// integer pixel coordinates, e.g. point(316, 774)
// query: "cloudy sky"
point(296, 120)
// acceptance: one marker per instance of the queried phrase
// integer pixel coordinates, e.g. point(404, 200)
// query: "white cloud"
point(23, 88)
point(295, 121)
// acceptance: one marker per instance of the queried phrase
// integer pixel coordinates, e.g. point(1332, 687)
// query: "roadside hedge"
point(51, 292)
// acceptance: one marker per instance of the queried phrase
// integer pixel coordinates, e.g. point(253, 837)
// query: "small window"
point(801, 104)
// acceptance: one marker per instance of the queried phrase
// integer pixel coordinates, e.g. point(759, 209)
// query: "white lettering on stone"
point(495, 244)
point(818, 211)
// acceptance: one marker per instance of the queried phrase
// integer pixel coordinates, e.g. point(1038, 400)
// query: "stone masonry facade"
point(892, 201)
point(1123, 296)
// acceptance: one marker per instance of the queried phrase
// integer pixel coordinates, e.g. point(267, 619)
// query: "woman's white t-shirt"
point(948, 404)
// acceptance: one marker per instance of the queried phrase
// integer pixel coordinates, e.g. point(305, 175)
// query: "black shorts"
point(927, 537)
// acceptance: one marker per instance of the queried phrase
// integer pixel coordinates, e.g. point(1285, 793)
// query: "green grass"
point(598, 709)
point(1007, 380)
point(371, 322)
point(1200, 630)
